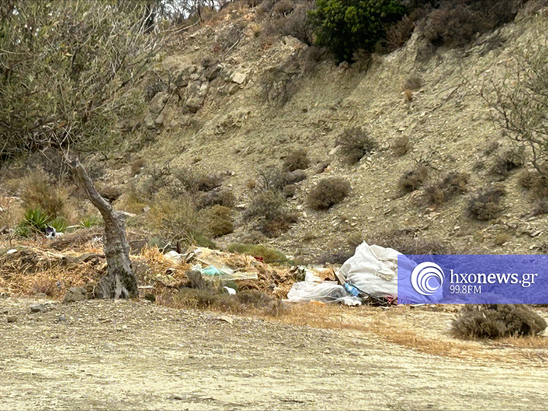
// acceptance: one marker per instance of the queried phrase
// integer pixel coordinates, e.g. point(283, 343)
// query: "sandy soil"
point(135, 355)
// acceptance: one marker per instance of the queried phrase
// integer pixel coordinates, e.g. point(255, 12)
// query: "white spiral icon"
point(421, 276)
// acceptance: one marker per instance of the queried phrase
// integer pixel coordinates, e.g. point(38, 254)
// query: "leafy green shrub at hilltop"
point(345, 26)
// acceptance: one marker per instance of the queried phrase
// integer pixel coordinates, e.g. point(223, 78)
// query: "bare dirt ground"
point(136, 355)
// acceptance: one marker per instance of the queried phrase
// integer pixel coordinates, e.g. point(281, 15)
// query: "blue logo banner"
point(473, 279)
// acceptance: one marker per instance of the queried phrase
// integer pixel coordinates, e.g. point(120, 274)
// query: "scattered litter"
point(225, 319)
point(230, 291)
point(174, 256)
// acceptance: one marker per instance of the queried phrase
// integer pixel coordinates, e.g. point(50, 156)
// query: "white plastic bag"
point(374, 270)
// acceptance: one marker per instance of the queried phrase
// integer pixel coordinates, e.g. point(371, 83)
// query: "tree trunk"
point(120, 281)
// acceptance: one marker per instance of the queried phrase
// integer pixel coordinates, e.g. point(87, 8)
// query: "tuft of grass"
point(35, 220)
point(91, 221)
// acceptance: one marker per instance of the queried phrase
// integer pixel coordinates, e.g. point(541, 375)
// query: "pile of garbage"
point(248, 271)
point(370, 276)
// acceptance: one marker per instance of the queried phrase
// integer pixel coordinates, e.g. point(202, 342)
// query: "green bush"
point(345, 26)
point(34, 220)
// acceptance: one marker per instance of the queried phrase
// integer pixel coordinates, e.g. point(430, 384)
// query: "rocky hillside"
point(230, 101)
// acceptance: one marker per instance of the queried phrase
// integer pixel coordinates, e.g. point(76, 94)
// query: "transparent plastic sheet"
point(326, 292)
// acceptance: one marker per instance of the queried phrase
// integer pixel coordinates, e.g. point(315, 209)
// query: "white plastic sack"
point(374, 270)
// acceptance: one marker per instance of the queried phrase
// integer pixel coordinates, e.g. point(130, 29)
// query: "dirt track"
point(131, 355)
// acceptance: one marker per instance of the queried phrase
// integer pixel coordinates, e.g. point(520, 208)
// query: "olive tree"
point(69, 71)
point(517, 94)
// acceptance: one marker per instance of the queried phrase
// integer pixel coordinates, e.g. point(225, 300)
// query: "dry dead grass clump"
point(215, 298)
point(492, 321)
point(31, 270)
point(508, 161)
point(11, 211)
point(218, 220)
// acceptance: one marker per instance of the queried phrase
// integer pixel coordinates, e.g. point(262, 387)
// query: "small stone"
point(239, 77)
point(38, 308)
point(62, 319)
point(178, 397)
point(109, 347)
point(12, 318)
point(75, 294)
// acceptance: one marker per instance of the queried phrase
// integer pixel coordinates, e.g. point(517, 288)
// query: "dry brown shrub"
point(494, 321)
point(354, 143)
point(219, 220)
point(37, 192)
point(486, 204)
point(447, 187)
point(413, 179)
point(328, 192)
point(296, 160)
point(137, 166)
point(408, 94)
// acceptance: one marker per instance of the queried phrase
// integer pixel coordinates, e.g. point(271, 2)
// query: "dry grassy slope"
point(447, 123)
